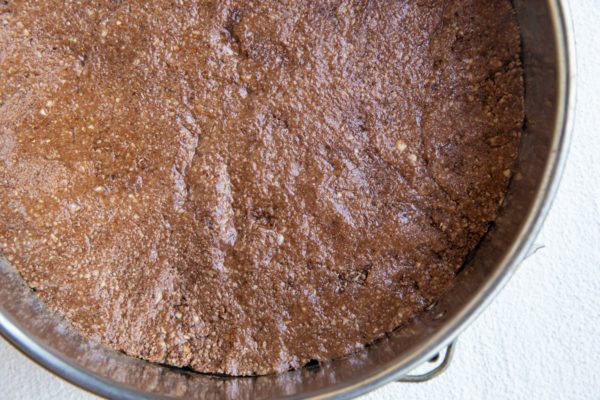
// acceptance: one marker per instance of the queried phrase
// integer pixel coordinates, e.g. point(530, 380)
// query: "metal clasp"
point(440, 363)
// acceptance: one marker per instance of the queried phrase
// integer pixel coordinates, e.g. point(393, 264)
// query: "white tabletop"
point(540, 338)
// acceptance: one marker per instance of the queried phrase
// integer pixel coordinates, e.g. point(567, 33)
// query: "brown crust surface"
point(243, 186)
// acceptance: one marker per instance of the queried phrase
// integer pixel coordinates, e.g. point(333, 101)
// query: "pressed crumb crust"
point(243, 186)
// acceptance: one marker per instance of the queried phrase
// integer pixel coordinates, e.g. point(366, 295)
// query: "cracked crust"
point(242, 187)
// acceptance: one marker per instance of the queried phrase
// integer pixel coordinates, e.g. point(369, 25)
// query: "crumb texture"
point(243, 186)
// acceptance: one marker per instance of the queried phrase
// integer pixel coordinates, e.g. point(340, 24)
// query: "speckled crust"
point(242, 186)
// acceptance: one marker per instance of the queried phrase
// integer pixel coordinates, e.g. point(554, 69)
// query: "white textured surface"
point(540, 339)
